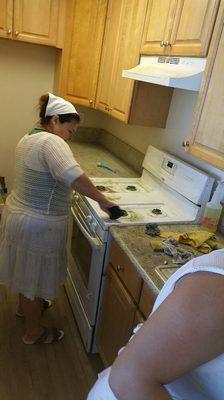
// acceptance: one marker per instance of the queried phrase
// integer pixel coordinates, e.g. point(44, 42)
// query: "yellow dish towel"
point(157, 245)
point(202, 240)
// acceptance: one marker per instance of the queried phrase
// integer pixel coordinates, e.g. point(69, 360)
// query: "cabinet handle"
point(119, 268)
point(90, 101)
point(185, 144)
point(16, 33)
point(8, 31)
point(167, 44)
point(162, 43)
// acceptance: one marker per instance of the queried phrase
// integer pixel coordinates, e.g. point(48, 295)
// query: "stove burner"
point(132, 188)
point(156, 211)
point(101, 188)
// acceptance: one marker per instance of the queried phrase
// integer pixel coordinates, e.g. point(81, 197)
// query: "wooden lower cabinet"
point(127, 302)
point(146, 301)
point(117, 318)
point(139, 318)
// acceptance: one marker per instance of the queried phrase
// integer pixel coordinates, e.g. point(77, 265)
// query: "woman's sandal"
point(57, 335)
point(45, 305)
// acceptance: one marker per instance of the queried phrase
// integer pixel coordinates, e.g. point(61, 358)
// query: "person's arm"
point(84, 186)
point(186, 331)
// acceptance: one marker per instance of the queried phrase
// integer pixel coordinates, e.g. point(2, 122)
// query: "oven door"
point(86, 258)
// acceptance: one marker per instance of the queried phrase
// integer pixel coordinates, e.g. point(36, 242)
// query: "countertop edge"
point(135, 263)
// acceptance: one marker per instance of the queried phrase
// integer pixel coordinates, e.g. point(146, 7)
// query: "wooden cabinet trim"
point(146, 301)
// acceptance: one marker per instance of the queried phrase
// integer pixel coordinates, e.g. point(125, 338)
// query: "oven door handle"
point(93, 241)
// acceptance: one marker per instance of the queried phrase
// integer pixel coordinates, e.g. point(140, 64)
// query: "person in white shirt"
point(33, 228)
point(178, 353)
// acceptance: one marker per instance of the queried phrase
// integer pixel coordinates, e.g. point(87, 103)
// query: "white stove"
point(168, 192)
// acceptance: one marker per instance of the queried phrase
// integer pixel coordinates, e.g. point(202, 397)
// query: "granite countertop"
point(89, 154)
point(136, 245)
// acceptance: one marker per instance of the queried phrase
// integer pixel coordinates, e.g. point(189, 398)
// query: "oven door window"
point(81, 252)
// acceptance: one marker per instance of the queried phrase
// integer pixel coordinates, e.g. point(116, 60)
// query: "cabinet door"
point(193, 26)
point(36, 21)
point(207, 138)
point(122, 40)
point(6, 14)
point(126, 56)
point(82, 50)
point(110, 43)
point(158, 26)
point(117, 319)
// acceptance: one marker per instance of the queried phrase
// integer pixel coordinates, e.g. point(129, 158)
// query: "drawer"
point(147, 299)
point(126, 271)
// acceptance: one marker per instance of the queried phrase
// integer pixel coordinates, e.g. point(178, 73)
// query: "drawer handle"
point(119, 268)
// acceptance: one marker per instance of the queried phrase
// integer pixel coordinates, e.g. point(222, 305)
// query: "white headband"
point(56, 106)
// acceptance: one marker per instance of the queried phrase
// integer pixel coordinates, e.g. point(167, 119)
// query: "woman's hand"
point(105, 204)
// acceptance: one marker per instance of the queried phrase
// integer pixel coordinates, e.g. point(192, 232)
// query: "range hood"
point(178, 72)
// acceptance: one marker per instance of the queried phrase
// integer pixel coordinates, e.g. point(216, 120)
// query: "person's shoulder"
point(52, 138)
point(52, 143)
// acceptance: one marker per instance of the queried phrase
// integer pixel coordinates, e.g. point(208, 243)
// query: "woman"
point(178, 353)
point(34, 221)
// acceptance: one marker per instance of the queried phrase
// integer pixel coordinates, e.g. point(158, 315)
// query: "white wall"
point(26, 71)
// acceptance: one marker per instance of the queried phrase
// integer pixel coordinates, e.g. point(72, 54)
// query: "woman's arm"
point(185, 332)
point(84, 186)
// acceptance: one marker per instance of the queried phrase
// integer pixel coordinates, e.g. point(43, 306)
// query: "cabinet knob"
point(8, 31)
point(90, 101)
point(106, 108)
point(119, 268)
point(186, 144)
point(16, 33)
point(110, 109)
point(162, 43)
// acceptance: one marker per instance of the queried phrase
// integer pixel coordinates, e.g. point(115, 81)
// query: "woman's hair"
point(43, 101)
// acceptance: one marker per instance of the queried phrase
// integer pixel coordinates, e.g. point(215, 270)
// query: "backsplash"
point(122, 150)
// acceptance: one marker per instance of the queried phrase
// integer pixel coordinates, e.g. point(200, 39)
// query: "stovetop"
point(169, 191)
point(144, 203)
point(113, 185)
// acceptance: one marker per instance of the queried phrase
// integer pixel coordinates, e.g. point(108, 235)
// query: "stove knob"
point(94, 226)
point(89, 219)
point(76, 197)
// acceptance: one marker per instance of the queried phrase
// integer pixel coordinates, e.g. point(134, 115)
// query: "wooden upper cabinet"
point(179, 27)
point(82, 50)
point(158, 25)
point(113, 21)
point(122, 40)
point(36, 21)
point(207, 136)
point(6, 14)
point(33, 21)
point(193, 26)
